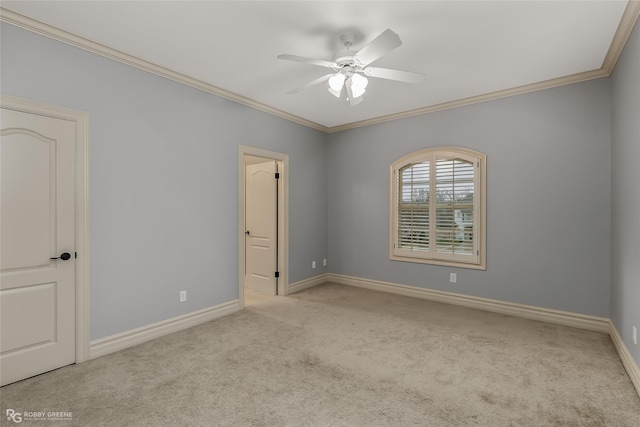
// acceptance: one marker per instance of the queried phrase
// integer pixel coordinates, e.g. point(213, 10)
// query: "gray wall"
point(164, 188)
point(548, 179)
point(625, 153)
point(164, 185)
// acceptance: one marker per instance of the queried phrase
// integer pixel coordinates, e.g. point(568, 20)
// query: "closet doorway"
point(263, 223)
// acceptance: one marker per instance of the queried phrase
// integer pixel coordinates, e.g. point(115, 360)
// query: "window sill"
point(457, 264)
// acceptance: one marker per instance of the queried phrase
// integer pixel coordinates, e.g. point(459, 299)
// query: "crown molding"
point(58, 34)
point(533, 87)
point(627, 22)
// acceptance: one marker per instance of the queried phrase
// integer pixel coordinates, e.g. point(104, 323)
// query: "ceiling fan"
point(350, 68)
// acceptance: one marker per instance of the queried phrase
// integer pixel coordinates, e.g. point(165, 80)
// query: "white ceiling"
point(465, 48)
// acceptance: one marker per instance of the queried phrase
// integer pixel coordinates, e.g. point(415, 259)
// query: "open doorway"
point(262, 222)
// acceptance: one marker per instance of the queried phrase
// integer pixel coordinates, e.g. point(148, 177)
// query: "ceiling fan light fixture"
point(353, 100)
point(335, 93)
point(336, 82)
point(358, 85)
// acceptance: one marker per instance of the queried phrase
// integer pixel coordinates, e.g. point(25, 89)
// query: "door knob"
point(64, 256)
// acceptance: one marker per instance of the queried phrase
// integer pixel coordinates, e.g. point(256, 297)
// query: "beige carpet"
point(341, 356)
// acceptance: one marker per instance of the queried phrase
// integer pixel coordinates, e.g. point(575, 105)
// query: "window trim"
point(480, 210)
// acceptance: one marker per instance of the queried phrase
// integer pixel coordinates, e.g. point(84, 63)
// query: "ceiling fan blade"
point(385, 42)
point(311, 83)
point(387, 73)
point(296, 58)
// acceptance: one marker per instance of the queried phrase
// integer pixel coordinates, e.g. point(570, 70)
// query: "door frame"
point(283, 216)
point(82, 247)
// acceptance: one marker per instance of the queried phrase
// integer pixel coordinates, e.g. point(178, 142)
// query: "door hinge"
point(277, 274)
point(76, 254)
point(277, 175)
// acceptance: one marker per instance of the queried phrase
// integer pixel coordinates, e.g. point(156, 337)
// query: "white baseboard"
point(582, 321)
point(143, 334)
point(625, 356)
point(306, 284)
point(117, 342)
point(558, 317)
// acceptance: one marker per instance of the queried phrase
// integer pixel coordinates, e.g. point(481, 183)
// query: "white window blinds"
point(413, 207)
point(437, 206)
point(454, 205)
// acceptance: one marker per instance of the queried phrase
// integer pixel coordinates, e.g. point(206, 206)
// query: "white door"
point(37, 294)
point(260, 226)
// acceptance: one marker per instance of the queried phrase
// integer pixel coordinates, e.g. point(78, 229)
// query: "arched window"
point(438, 208)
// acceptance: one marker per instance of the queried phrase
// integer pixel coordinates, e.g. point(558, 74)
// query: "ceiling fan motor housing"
point(347, 58)
point(345, 62)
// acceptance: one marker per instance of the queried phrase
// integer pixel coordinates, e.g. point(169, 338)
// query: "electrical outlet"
point(313, 264)
point(453, 277)
point(324, 262)
point(635, 335)
point(183, 296)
